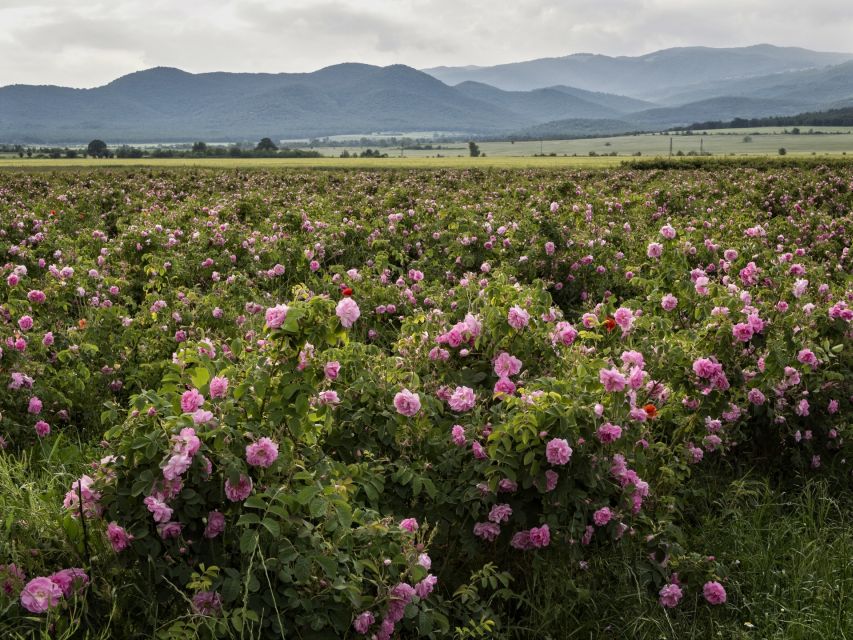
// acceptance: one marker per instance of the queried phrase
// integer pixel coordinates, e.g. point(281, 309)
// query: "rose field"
point(458, 403)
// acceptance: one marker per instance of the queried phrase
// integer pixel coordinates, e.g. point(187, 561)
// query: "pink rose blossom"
point(714, 593)
point(558, 451)
point(191, 401)
point(275, 316)
point(670, 595)
point(239, 491)
point(347, 311)
point(518, 318)
point(407, 403)
point(215, 524)
point(219, 387)
point(363, 622)
point(540, 536)
point(262, 453)
point(462, 399)
point(40, 594)
point(506, 365)
point(409, 524)
point(602, 516)
point(488, 531)
point(118, 537)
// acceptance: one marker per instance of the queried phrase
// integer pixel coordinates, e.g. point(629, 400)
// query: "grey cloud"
point(89, 42)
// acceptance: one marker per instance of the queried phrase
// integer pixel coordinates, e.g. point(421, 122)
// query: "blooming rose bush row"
point(308, 390)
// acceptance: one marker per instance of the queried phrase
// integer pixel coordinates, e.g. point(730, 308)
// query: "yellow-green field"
point(836, 141)
point(724, 142)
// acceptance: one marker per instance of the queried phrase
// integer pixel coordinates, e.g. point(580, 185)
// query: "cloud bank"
point(90, 42)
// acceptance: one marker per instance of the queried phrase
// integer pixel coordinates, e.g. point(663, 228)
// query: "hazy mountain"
point(690, 85)
point(168, 104)
point(813, 86)
point(538, 105)
point(643, 76)
point(722, 108)
point(615, 102)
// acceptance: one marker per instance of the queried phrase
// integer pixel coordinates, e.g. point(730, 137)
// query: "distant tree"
point(97, 149)
point(125, 151)
point(473, 149)
point(747, 138)
point(266, 145)
point(70, 153)
point(235, 151)
point(795, 131)
point(199, 147)
point(782, 151)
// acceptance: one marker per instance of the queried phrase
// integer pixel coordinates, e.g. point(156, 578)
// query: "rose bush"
point(334, 403)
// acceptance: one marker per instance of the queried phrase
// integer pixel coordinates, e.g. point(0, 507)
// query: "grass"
point(493, 162)
point(791, 556)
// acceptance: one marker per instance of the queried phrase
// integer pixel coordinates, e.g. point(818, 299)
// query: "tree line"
point(833, 118)
point(97, 148)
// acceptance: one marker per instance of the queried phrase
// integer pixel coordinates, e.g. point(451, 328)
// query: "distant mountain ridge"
point(674, 87)
point(643, 76)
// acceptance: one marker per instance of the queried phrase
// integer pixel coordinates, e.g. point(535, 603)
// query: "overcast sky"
point(84, 43)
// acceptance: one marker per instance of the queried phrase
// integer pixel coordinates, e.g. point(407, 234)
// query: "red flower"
point(651, 410)
point(610, 324)
point(347, 291)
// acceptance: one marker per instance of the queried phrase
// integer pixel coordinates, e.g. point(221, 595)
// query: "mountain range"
point(583, 94)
